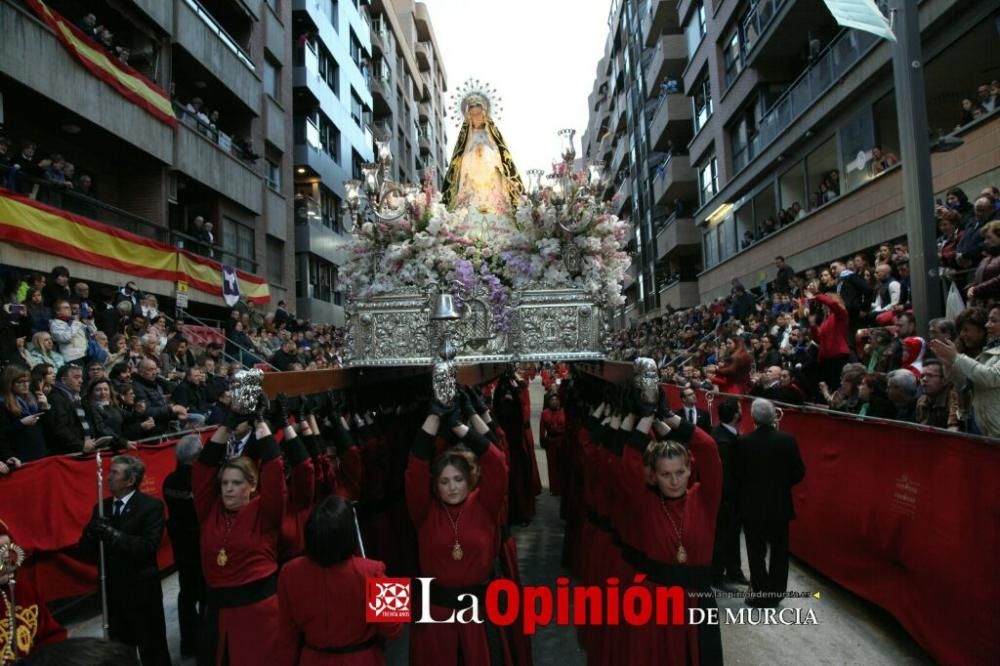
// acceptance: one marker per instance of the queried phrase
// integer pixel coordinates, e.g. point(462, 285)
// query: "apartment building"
point(332, 111)
point(222, 70)
point(639, 126)
point(408, 83)
point(775, 111)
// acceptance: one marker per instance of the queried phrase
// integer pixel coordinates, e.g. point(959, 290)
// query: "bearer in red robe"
point(240, 504)
point(322, 597)
point(551, 431)
point(458, 521)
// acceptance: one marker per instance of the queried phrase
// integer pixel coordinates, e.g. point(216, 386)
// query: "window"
point(857, 136)
point(702, 101)
point(708, 180)
point(321, 279)
point(711, 245)
point(792, 189)
point(732, 52)
point(357, 109)
point(275, 261)
point(238, 244)
point(823, 174)
point(272, 78)
point(355, 50)
point(329, 71)
point(330, 205)
point(695, 29)
point(275, 6)
point(273, 175)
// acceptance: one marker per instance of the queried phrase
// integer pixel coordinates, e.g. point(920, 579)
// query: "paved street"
point(850, 630)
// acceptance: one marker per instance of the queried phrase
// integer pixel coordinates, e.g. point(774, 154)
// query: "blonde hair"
point(245, 466)
point(669, 449)
point(992, 227)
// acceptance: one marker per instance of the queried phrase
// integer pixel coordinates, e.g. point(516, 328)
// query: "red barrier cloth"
point(906, 518)
point(47, 503)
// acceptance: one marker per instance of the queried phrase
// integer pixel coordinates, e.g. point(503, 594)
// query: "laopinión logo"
point(388, 600)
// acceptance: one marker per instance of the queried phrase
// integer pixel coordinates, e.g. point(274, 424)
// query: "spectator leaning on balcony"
point(982, 372)
point(887, 295)
point(985, 286)
point(70, 333)
point(988, 97)
point(67, 428)
point(882, 161)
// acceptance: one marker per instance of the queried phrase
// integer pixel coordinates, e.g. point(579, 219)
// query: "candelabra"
point(376, 193)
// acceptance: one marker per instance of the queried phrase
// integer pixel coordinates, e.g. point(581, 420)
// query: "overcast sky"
point(541, 55)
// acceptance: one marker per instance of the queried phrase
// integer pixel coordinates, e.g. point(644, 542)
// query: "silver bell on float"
point(443, 308)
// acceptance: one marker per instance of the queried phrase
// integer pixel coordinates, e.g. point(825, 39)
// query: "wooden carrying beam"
point(615, 372)
point(306, 382)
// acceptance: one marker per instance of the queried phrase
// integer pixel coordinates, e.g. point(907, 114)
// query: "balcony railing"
point(71, 201)
point(217, 252)
point(224, 141)
point(757, 20)
point(833, 62)
point(224, 36)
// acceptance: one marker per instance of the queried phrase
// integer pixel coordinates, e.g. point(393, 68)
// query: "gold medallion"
point(682, 555)
point(456, 551)
point(221, 558)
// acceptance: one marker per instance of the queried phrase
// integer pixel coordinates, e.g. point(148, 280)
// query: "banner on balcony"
point(130, 83)
point(26, 222)
point(206, 275)
point(861, 15)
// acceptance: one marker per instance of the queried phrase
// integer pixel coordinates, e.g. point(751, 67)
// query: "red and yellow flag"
point(126, 80)
point(27, 222)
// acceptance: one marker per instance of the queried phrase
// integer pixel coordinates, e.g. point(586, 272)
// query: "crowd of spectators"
point(843, 335)
point(103, 37)
point(82, 370)
point(984, 102)
point(208, 122)
point(45, 176)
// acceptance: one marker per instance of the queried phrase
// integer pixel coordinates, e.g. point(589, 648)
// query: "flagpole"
point(914, 149)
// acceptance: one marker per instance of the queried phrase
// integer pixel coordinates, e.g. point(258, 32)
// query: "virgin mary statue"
point(481, 176)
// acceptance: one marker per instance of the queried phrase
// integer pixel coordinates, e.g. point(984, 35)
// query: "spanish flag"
point(27, 222)
point(126, 80)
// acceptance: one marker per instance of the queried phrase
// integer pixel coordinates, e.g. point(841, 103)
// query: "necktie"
point(692, 417)
point(119, 505)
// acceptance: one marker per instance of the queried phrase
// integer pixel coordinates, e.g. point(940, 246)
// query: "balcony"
point(674, 180)
point(621, 148)
point(383, 42)
point(32, 55)
point(829, 67)
point(680, 295)
point(424, 111)
point(213, 162)
point(677, 234)
point(618, 115)
point(671, 124)
point(201, 36)
point(383, 98)
point(425, 140)
point(662, 17)
point(311, 156)
point(669, 60)
point(623, 197)
point(423, 52)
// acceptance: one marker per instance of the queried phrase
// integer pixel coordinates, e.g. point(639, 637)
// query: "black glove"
point(663, 411)
point(233, 419)
point(641, 407)
point(278, 413)
point(303, 409)
point(103, 530)
point(260, 411)
point(465, 404)
point(438, 408)
point(476, 397)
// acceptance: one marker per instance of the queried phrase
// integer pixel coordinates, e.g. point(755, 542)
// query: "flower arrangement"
point(561, 236)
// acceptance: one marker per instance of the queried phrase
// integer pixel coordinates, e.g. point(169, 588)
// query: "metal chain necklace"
point(456, 550)
point(222, 558)
point(682, 555)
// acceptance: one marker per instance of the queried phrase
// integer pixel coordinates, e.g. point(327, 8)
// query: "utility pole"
point(918, 185)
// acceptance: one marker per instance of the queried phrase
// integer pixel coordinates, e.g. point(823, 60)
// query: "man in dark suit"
point(768, 464)
point(855, 292)
point(726, 559)
point(184, 538)
point(131, 530)
point(689, 410)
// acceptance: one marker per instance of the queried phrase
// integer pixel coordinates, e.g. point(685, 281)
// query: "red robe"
point(551, 430)
point(324, 607)
point(478, 529)
point(301, 498)
point(247, 633)
point(734, 377)
point(694, 514)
